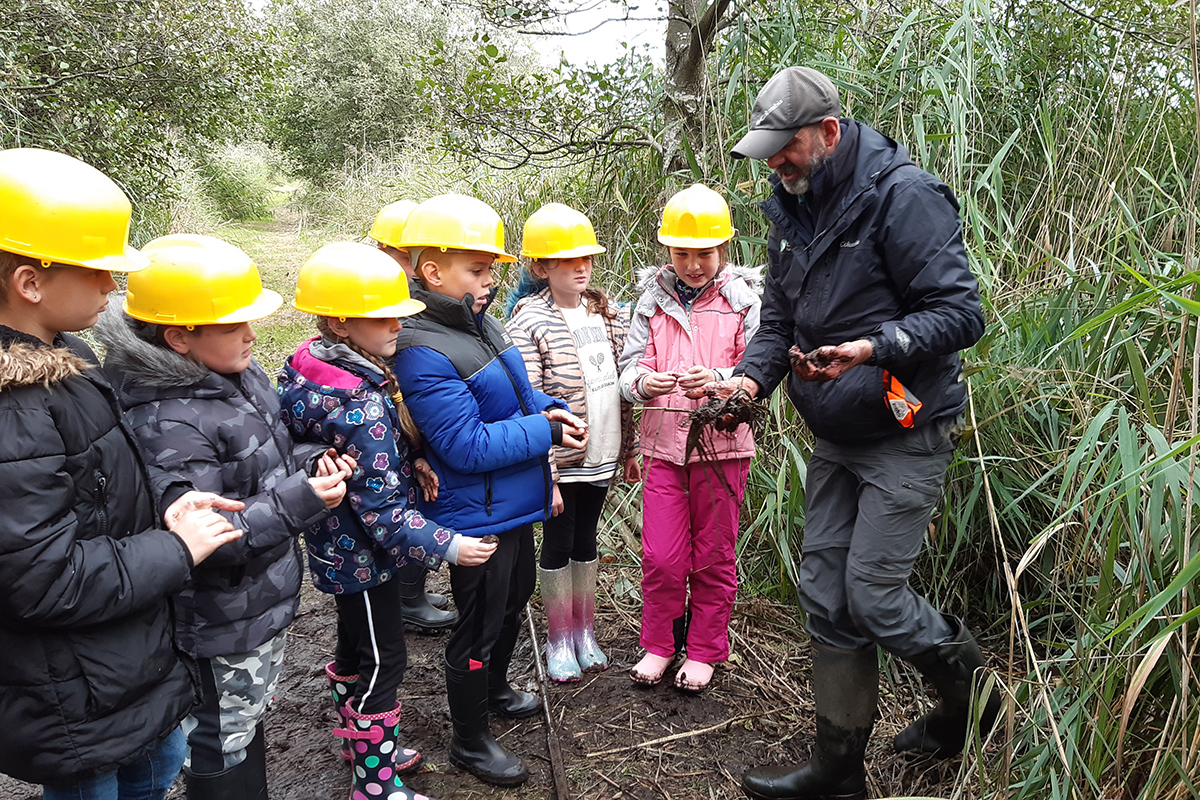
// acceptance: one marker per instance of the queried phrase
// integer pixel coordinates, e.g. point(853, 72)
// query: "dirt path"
point(618, 740)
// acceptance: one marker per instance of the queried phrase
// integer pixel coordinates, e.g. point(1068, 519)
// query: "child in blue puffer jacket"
point(337, 388)
point(488, 436)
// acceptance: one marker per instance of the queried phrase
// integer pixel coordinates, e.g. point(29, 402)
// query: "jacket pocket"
point(852, 408)
point(123, 662)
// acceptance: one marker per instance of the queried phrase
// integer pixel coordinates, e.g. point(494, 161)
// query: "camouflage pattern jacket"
point(89, 675)
point(224, 435)
point(340, 403)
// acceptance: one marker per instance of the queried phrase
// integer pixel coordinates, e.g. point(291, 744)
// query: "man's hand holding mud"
point(829, 362)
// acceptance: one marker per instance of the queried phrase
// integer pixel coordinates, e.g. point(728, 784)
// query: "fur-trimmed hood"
point(28, 365)
point(27, 361)
point(142, 362)
point(753, 276)
point(740, 286)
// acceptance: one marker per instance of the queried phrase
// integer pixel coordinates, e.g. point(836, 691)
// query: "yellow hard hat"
point(456, 222)
point(389, 222)
point(346, 279)
point(197, 280)
point(695, 217)
point(57, 209)
point(558, 231)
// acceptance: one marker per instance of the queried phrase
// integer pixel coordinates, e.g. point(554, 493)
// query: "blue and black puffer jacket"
point(465, 384)
point(339, 402)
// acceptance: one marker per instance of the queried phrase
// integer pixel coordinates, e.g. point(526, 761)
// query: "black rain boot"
point(503, 699)
point(415, 608)
point(679, 629)
point(846, 689)
point(244, 781)
point(473, 747)
point(950, 667)
point(439, 601)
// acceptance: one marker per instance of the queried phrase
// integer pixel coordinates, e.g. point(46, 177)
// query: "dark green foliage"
point(122, 84)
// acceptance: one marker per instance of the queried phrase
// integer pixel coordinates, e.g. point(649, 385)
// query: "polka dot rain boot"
point(374, 742)
point(342, 689)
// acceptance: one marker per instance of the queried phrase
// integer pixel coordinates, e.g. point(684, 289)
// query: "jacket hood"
point(27, 361)
point(665, 276)
point(139, 361)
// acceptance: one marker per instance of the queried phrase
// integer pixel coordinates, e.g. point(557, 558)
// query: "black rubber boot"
point(679, 630)
point(473, 747)
point(950, 667)
point(503, 699)
point(244, 781)
point(419, 615)
point(846, 689)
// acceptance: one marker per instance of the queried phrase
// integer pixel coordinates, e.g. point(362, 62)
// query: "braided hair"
point(407, 425)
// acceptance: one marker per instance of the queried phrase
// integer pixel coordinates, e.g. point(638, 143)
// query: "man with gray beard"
point(868, 300)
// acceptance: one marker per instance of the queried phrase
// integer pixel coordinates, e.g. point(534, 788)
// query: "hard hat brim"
point(702, 244)
point(574, 252)
point(129, 261)
point(405, 308)
point(498, 255)
point(267, 303)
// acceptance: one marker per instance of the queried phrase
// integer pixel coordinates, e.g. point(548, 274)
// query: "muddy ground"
point(618, 740)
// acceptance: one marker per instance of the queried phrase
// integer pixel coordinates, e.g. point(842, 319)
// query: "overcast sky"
point(604, 44)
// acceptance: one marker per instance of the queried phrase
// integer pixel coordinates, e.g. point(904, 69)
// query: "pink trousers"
point(689, 533)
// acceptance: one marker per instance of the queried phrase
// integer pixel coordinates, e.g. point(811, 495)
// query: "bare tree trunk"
point(692, 27)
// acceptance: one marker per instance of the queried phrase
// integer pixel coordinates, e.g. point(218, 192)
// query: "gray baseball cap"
point(793, 98)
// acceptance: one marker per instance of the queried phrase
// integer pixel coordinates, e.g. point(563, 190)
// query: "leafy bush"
point(238, 179)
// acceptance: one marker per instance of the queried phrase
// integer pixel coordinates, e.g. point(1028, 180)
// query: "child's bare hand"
point(633, 470)
point(556, 502)
point(696, 377)
point(655, 384)
point(330, 488)
point(472, 551)
point(331, 462)
point(576, 425)
point(202, 531)
point(574, 442)
point(574, 429)
point(427, 479)
point(198, 501)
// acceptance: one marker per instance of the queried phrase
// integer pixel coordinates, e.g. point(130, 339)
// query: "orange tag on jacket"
point(903, 404)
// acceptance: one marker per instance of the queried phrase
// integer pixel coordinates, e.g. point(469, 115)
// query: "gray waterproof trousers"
point(868, 512)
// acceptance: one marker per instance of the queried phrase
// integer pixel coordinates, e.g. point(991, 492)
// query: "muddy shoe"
point(693, 677)
point(650, 670)
point(846, 691)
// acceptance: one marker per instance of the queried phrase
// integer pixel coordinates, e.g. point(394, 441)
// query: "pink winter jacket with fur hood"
point(663, 337)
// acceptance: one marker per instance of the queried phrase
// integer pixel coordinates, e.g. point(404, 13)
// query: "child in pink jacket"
point(690, 326)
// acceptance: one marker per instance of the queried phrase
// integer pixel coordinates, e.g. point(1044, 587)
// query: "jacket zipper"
point(102, 511)
point(525, 411)
point(487, 492)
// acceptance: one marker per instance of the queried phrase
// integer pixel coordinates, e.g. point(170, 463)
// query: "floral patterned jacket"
point(378, 528)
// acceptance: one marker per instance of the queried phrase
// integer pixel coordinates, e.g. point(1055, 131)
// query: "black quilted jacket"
point(89, 676)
